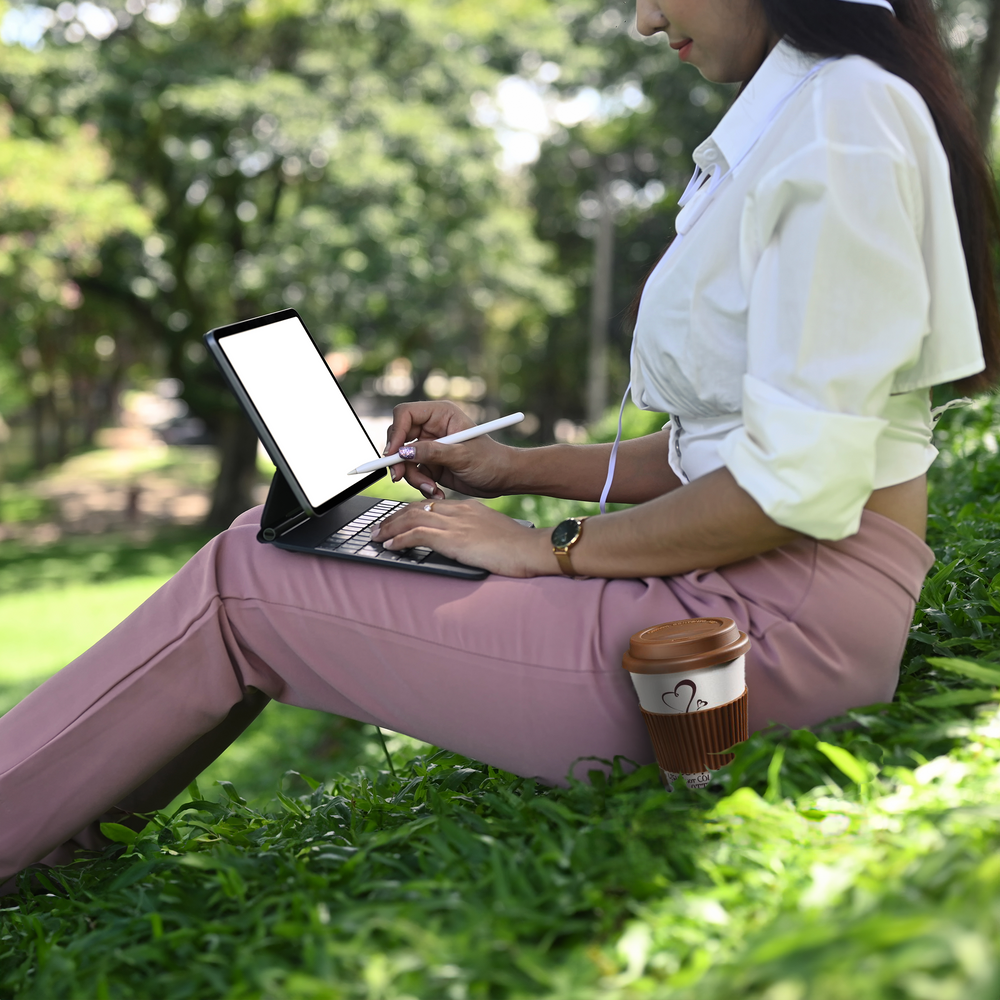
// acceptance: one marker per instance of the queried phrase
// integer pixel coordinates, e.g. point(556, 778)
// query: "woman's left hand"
point(470, 532)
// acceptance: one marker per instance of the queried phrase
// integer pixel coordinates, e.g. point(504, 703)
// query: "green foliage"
point(637, 158)
point(332, 157)
point(18, 503)
point(88, 559)
point(58, 207)
point(455, 879)
point(315, 155)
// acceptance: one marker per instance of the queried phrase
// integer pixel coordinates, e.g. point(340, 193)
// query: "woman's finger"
point(431, 490)
point(423, 419)
point(409, 539)
point(404, 520)
point(419, 477)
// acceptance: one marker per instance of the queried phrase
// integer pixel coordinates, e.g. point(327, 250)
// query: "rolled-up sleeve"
point(839, 303)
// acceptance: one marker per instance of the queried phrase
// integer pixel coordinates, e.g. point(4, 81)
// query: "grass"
point(74, 618)
point(856, 861)
point(20, 503)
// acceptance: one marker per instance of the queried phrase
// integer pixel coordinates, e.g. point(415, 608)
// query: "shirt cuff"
point(810, 470)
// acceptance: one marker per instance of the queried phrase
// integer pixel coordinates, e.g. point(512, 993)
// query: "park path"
point(132, 483)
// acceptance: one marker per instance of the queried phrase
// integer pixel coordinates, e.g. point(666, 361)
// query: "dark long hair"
point(909, 46)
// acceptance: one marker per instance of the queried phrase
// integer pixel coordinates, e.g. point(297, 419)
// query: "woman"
point(825, 278)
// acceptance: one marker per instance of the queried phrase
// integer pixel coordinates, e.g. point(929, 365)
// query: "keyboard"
point(355, 538)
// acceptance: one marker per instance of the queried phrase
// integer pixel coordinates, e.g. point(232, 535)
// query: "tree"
point(57, 208)
point(605, 192)
point(971, 28)
point(300, 154)
point(988, 74)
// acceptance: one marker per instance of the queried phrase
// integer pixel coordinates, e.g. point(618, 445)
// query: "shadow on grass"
point(96, 558)
point(284, 738)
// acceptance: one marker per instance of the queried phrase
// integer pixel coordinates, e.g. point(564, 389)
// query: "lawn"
point(74, 617)
point(858, 860)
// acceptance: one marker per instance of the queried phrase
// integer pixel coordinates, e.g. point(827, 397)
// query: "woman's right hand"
point(481, 467)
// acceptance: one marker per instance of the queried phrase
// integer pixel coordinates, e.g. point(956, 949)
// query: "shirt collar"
point(784, 66)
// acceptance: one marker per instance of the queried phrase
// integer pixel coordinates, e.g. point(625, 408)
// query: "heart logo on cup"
point(701, 704)
point(674, 700)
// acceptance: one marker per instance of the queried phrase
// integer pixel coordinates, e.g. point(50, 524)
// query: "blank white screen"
point(303, 407)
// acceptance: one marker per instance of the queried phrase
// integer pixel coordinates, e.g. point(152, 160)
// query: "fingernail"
point(427, 489)
point(439, 494)
point(408, 452)
point(388, 543)
point(396, 473)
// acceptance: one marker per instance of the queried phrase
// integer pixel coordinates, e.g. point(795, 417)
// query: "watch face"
point(564, 532)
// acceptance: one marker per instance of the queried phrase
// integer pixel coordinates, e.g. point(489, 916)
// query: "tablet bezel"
point(212, 343)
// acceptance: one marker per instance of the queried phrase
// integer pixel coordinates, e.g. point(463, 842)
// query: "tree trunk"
point(600, 307)
point(988, 76)
point(62, 430)
point(233, 492)
point(4, 439)
point(38, 449)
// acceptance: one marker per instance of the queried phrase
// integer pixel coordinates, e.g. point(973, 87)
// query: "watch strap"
point(561, 552)
point(565, 563)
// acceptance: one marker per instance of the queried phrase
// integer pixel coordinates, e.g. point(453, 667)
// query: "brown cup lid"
point(685, 645)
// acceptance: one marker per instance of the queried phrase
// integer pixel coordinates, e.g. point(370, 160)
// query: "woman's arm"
point(704, 524)
point(577, 472)
point(710, 522)
point(482, 467)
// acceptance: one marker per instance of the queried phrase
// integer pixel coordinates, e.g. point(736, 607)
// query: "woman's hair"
point(909, 46)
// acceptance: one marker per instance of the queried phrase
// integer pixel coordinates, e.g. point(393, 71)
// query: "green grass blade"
point(967, 668)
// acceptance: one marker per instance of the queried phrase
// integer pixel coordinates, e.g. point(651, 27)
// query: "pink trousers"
point(522, 674)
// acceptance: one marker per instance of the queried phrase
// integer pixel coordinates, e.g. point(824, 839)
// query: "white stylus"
point(457, 438)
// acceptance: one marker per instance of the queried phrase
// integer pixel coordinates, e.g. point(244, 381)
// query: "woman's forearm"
point(577, 472)
point(708, 523)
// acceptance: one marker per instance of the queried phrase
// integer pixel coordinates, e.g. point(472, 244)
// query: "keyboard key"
point(355, 537)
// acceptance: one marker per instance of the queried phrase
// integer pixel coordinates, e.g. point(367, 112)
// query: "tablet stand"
point(282, 511)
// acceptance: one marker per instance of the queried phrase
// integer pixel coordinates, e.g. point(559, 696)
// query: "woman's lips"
point(683, 48)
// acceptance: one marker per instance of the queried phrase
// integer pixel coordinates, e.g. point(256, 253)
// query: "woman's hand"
point(481, 467)
point(472, 533)
point(710, 522)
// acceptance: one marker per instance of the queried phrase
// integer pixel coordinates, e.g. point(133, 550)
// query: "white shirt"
point(795, 333)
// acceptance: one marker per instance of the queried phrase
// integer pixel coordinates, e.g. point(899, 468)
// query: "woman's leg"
point(524, 674)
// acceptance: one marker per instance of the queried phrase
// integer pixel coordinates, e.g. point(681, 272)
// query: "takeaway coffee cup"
point(691, 680)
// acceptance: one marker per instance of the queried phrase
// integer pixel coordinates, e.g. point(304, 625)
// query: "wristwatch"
point(564, 536)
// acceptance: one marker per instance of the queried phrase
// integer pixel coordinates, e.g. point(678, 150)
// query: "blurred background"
point(461, 198)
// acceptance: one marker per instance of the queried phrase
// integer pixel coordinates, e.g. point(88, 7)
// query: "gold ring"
point(429, 506)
